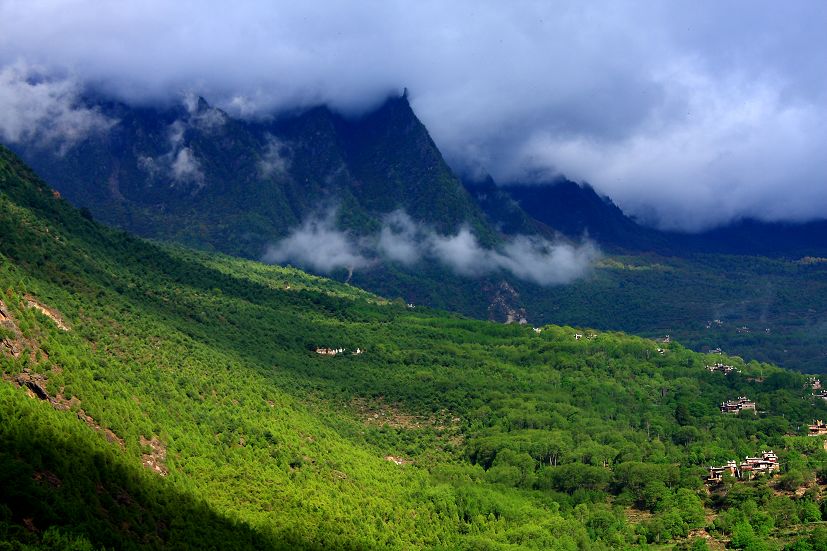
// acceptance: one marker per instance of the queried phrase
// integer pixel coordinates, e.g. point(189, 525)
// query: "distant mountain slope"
point(577, 209)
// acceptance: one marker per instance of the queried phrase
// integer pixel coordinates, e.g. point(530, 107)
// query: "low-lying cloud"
point(319, 246)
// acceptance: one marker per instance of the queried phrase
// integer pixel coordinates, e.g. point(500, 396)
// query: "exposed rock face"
point(505, 304)
point(50, 313)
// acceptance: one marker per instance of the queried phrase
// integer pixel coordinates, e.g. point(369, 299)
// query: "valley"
point(187, 405)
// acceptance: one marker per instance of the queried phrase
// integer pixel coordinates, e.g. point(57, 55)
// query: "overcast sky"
point(688, 114)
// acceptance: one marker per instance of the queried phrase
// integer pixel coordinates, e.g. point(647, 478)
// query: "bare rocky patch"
point(377, 412)
point(47, 477)
point(156, 455)
point(36, 387)
point(12, 341)
point(107, 433)
point(50, 313)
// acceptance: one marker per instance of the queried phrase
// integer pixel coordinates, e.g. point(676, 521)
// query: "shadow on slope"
point(56, 473)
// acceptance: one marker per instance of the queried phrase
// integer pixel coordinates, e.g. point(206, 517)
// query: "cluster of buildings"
point(725, 369)
point(747, 469)
point(818, 428)
point(333, 351)
point(742, 403)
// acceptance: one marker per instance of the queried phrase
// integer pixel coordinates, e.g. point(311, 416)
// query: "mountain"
point(154, 397)
point(195, 175)
point(577, 209)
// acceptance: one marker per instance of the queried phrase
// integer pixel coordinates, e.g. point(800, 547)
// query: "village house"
point(737, 406)
point(577, 336)
point(818, 428)
point(329, 351)
point(750, 467)
point(815, 383)
point(538, 329)
point(716, 474)
point(725, 369)
point(766, 464)
point(666, 340)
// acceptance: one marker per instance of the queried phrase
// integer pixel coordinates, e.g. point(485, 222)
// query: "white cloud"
point(185, 167)
point(713, 151)
point(275, 159)
point(526, 257)
point(318, 245)
point(400, 239)
point(44, 111)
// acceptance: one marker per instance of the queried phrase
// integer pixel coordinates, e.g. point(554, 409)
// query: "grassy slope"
point(268, 444)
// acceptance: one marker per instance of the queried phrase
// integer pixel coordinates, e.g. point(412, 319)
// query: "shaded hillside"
point(576, 210)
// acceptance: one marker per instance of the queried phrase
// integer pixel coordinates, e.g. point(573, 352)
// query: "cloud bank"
point(319, 246)
point(686, 114)
point(42, 110)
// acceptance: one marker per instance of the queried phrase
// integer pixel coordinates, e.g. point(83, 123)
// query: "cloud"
point(737, 148)
point(526, 257)
point(44, 111)
point(275, 159)
point(180, 163)
point(687, 114)
point(185, 167)
point(400, 239)
point(318, 245)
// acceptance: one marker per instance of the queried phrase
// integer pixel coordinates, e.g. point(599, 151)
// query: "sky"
point(687, 114)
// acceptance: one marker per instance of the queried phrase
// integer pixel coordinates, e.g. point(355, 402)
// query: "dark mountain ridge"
point(199, 176)
point(577, 209)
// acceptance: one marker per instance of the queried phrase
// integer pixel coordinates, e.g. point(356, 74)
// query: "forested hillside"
point(155, 397)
